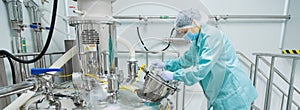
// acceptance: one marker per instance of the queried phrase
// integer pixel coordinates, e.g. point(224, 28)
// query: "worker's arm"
point(211, 52)
point(184, 61)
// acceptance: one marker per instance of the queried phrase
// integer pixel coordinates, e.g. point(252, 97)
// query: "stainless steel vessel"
point(155, 88)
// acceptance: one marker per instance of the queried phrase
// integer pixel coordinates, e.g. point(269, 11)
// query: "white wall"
point(292, 34)
point(247, 36)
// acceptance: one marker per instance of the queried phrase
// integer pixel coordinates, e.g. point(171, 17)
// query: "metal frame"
point(16, 88)
point(258, 70)
point(35, 18)
point(3, 77)
point(270, 80)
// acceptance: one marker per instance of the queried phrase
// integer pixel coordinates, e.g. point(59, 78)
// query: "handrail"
point(280, 74)
point(268, 63)
point(292, 76)
point(278, 55)
point(263, 74)
point(276, 86)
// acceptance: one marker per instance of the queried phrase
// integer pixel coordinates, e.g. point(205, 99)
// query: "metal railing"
point(271, 76)
point(270, 79)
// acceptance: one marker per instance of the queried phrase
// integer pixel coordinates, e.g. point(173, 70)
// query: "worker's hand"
point(158, 64)
point(167, 75)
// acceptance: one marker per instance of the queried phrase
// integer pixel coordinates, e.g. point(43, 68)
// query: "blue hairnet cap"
point(185, 18)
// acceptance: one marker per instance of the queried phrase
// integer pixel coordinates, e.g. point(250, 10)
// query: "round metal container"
point(155, 88)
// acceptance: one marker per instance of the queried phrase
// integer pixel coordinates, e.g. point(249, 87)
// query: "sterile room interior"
point(98, 54)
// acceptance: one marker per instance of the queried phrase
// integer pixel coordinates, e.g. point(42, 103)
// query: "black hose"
point(4, 52)
point(12, 67)
point(138, 32)
point(169, 40)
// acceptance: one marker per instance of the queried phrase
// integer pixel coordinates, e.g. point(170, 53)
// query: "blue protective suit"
point(211, 61)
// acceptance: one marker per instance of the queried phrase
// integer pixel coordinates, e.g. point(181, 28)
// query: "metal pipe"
point(183, 97)
point(67, 14)
point(255, 70)
point(16, 88)
point(177, 98)
point(24, 71)
point(21, 70)
point(269, 87)
point(291, 86)
point(162, 56)
point(251, 73)
point(153, 52)
point(225, 17)
point(282, 101)
point(144, 17)
point(217, 17)
point(278, 55)
point(14, 10)
point(50, 59)
point(15, 16)
point(34, 13)
point(3, 82)
point(283, 28)
point(147, 59)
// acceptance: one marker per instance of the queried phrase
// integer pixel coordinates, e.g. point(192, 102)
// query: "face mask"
point(189, 36)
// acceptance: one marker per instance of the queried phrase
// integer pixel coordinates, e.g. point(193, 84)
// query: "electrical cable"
point(4, 52)
point(138, 32)
point(97, 78)
point(12, 67)
point(142, 42)
point(152, 39)
point(169, 40)
point(64, 76)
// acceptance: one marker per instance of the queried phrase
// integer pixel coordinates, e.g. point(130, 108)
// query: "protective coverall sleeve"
point(184, 61)
point(207, 56)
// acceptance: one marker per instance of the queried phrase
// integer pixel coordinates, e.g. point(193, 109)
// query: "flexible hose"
point(152, 38)
point(12, 67)
point(129, 46)
point(169, 40)
point(138, 32)
point(4, 52)
point(144, 46)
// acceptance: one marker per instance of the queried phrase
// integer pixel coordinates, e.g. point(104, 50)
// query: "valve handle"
point(37, 71)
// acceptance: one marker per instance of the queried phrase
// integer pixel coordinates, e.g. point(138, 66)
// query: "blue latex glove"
point(158, 64)
point(167, 75)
